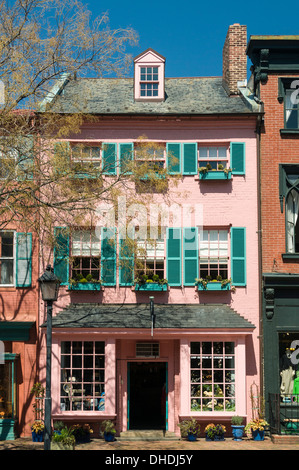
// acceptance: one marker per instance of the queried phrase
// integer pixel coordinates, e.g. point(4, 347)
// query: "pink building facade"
point(148, 355)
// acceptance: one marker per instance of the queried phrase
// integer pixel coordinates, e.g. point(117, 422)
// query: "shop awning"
point(15, 330)
point(191, 316)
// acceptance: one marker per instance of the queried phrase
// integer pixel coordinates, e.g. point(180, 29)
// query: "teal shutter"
point(190, 255)
point(238, 256)
point(173, 159)
point(173, 256)
point(23, 259)
point(126, 262)
point(125, 156)
point(25, 158)
point(61, 254)
point(109, 159)
point(237, 158)
point(190, 159)
point(108, 256)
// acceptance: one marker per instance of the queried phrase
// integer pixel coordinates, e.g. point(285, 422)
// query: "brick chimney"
point(234, 58)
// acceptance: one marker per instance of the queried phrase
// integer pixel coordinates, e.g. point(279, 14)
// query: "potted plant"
point(190, 429)
point(210, 430)
point(150, 282)
point(87, 283)
point(237, 427)
point(220, 430)
point(109, 430)
point(256, 428)
point(37, 431)
point(82, 432)
point(65, 440)
point(57, 427)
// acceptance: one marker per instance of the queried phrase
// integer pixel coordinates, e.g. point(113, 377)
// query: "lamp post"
point(49, 286)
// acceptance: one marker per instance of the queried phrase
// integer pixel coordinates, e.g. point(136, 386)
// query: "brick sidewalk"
point(180, 445)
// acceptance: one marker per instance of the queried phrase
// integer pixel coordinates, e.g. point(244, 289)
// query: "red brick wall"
point(275, 149)
point(234, 61)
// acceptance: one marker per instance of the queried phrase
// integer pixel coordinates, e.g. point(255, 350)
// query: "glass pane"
point(213, 152)
point(6, 244)
point(6, 271)
point(203, 152)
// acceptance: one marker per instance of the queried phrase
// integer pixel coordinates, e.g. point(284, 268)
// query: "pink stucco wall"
point(225, 204)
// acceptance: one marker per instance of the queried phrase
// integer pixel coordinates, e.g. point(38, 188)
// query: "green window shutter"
point(108, 256)
point(25, 158)
point(24, 259)
point(190, 251)
point(238, 256)
point(173, 256)
point(190, 159)
point(237, 158)
point(109, 159)
point(61, 254)
point(125, 156)
point(126, 262)
point(173, 159)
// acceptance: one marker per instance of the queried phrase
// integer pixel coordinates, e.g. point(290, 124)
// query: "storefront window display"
point(289, 366)
point(82, 386)
point(7, 390)
point(212, 376)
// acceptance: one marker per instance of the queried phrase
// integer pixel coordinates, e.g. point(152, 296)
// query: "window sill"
point(290, 256)
point(151, 286)
point(289, 131)
point(85, 286)
point(215, 175)
point(213, 286)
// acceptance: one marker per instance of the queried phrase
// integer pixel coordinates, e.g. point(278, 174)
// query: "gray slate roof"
point(195, 96)
point(171, 316)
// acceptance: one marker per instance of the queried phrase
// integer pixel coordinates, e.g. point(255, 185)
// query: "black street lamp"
point(49, 286)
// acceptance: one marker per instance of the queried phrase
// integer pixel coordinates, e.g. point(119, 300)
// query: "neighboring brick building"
point(18, 329)
point(274, 81)
point(201, 355)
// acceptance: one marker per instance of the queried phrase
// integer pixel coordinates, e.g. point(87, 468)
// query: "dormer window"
point(149, 82)
point(149, 76)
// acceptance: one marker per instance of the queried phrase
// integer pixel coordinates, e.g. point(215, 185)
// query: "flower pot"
point(208, 438)
point(191, 437)
point(37, 436)
point(258, 435)
point(219, 437)
point(109, 436)
point(238, 432)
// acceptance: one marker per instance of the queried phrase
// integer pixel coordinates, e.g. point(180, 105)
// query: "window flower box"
point(151, 286)
point(203, 285)
point(215, 175)
point(85, 286)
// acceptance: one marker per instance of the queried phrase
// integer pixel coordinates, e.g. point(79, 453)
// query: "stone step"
point(285, 439)
point(148, 435)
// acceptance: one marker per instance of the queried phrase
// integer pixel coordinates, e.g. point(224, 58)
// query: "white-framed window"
point(215, 156)
point(149, 81)
point(150, 258)
point(291, 109)
point(85, 255)
point(82, 376)
point(292, 209)
point(212, 376)
point(213, 254)
point(87, 155)
point(151, 154)
point(7, 257)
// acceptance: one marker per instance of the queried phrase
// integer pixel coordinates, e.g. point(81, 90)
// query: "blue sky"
point(190, 34)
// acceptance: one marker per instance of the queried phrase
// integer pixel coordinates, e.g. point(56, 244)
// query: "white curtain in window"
point(292, 216)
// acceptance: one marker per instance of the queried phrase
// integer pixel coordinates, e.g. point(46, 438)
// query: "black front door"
point(147, 395)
